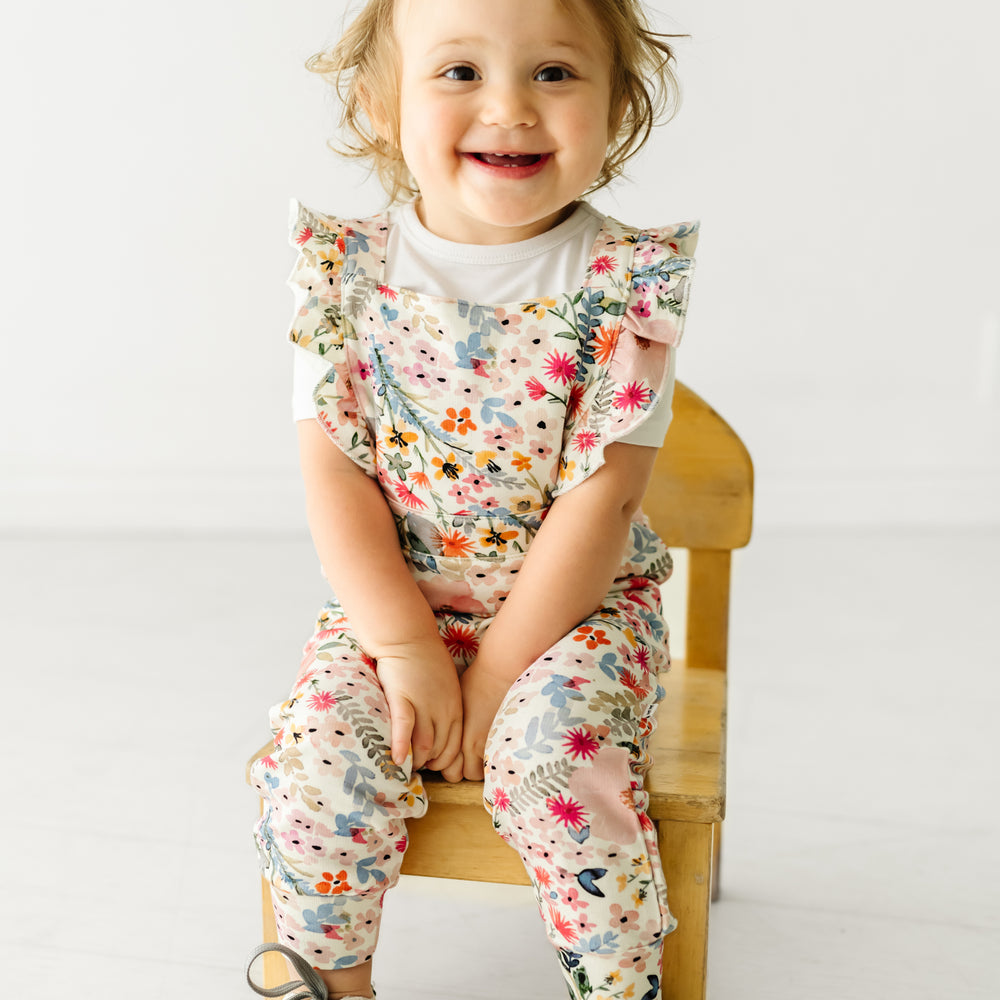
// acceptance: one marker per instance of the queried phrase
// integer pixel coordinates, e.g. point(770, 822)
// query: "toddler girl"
point(487, 371)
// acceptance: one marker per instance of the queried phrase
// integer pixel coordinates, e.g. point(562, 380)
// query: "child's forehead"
point(559, 23)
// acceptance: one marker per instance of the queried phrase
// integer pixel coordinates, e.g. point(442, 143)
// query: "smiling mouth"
point(510, 159)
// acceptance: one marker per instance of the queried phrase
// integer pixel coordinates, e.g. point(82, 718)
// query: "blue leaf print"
point(322, 917)
point(363, 874)
point(388, 314)
point(346, 825)
point(492, 409)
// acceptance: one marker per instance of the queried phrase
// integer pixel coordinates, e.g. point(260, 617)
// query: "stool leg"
point(686, 855)
point(716, 860)
point(276, 971)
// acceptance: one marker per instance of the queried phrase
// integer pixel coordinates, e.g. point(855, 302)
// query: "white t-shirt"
point(512, 272)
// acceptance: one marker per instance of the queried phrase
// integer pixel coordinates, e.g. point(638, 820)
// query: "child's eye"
point(553, 74)
point(464, 74)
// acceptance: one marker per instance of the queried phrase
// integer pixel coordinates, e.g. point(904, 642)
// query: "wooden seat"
point(700, 499)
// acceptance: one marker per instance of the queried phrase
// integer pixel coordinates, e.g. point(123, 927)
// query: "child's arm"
point(569, 569)
point(355, 538)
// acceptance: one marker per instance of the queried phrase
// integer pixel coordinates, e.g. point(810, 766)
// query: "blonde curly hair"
point(363, 68)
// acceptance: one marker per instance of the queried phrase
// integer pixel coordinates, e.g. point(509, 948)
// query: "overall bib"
point(474, 418)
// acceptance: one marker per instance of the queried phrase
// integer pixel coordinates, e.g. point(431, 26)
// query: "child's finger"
point(453, 772)
point(401, 721)
point(422, 739)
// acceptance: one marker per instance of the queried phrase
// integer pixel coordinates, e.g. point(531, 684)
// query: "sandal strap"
point(313, 988)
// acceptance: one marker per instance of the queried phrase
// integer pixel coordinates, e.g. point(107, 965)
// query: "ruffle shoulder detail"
point(338, 264)
point(627, 357)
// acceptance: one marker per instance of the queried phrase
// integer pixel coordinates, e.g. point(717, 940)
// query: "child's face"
point(480, 78)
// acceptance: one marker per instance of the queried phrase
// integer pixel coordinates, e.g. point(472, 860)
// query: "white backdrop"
point(843, 159)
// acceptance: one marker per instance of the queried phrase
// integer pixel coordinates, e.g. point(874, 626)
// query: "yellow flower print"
point(495, 538)
point(538, 307)
point(622, 882)
point(566, 470)
point(629, 992)
point(641, 865)
point(398, 438)
point(447, 468)
point(523, 504)
point(483, 458)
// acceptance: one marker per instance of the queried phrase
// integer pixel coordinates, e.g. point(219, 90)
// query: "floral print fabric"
point(473, 418)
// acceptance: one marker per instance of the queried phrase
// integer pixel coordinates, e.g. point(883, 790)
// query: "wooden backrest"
point(700, 498)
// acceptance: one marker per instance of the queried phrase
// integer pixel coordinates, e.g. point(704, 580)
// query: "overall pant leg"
point(332, 834)
point(565, 763)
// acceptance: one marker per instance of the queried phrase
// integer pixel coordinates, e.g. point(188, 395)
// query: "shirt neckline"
point(491, 255)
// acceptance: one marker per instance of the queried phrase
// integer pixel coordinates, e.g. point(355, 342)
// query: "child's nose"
point(508, 105)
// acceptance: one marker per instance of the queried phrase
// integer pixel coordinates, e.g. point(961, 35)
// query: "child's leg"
point(564, 783)
point(332, 836)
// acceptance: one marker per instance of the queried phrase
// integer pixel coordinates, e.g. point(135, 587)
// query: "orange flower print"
point(454, 543)
point(591, 636)
point(420, 479)
point(334, 884)
point(521, 462)
point(604, 344)
point(458, 421)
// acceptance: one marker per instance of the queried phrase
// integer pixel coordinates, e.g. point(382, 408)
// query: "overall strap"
point(611, 259)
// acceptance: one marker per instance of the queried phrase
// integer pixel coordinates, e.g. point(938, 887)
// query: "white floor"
point(860, 855)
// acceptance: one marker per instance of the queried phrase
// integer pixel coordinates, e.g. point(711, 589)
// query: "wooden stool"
point(700, 498)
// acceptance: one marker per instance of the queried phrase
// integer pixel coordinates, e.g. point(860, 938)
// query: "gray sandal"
point(309, 987)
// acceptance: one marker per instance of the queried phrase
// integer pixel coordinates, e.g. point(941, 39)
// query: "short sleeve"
point(630, 372)
point(320, 327)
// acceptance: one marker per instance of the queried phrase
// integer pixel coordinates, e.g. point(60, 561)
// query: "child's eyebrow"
point(462, 42)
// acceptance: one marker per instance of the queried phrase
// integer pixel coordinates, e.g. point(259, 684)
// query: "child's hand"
point(483, 691)
point(425, 703)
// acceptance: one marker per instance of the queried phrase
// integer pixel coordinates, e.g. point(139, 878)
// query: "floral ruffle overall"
point(474, 418)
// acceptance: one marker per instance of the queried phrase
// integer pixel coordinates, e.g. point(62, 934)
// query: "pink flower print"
point(641, 657)
point(581, 742)
point(575, 400)
point(406, 496)
point(362, 370)
point(634, 396)
point(512, 360)
point(540, 449)
point(542, 877)
point(622, 919)
point(569, 812)
point(641, 308)
point(603, 264)
point(460, 491)
point(476, 482)
point(400, 845)
point(304, 236)
point(560, 367)
point(535, 389)
point(501, 800)
point(269, 762)
point(419, 376)
point(322, 701)
point(571, 898)
point(585, 441)
point(563, 926)
point(388, 292)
